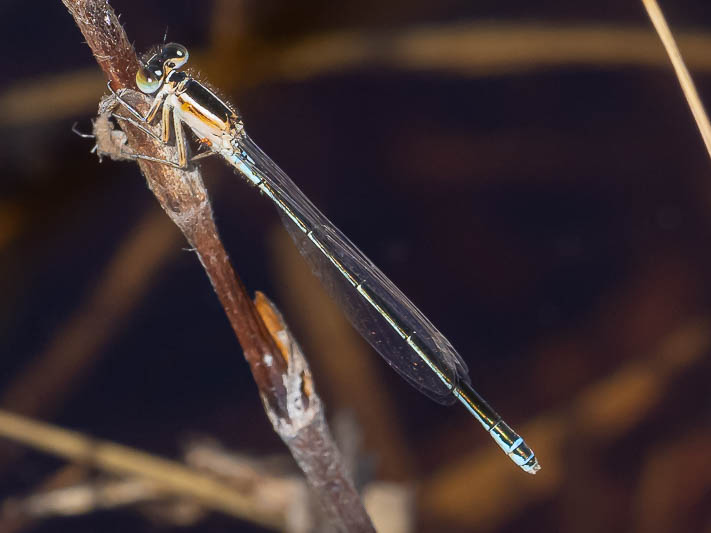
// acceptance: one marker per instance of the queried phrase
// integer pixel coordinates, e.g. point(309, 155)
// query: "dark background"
point(549, 212)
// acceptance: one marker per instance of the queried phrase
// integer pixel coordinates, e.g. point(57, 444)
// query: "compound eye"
point(175, 55)
point(149, 78)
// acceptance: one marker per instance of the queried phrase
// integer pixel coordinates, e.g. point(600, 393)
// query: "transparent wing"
point(377, 309)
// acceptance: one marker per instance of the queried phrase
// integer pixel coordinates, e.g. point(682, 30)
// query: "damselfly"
point(382, 314)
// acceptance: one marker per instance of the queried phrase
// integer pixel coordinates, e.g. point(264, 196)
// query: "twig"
point(306, 433)
point(682, 73)
point(267, 483)
point(168, 475)
point(183, 196)
point(83, 498)
point(279, 369)
point(104, 494)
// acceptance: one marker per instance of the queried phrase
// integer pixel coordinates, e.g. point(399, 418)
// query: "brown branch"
point(106, 38)
point(183, 196)
point(307, 435)
point(277, 365)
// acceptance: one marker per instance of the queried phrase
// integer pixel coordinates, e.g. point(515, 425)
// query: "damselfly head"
point(151, 75)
